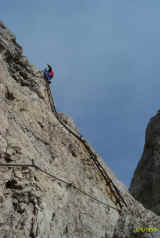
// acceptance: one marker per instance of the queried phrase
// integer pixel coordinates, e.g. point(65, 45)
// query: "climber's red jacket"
point(51, 73)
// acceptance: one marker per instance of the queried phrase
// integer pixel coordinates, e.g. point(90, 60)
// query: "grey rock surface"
point(68, 121)
point(145, 185)
point(32, 203)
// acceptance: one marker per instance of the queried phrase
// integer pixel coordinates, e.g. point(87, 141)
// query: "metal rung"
point(109, 183)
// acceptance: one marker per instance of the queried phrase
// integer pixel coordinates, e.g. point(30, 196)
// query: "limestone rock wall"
point(33, 204)
point(145, 185)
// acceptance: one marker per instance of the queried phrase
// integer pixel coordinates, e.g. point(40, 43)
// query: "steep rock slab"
point(145, 185)
point(32, 203)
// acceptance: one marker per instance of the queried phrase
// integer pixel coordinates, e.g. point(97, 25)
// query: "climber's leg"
point(47, 76)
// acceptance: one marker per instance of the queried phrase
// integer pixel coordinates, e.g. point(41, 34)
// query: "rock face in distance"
point(32, 203)
point(145, 185)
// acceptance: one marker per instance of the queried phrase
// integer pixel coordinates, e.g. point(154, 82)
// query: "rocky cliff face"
point(49, 183)
point(145, 185)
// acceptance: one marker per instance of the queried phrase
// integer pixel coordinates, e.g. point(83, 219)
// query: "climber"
point(48, 73)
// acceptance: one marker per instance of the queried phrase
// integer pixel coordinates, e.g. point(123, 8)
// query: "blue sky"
point(106, 58)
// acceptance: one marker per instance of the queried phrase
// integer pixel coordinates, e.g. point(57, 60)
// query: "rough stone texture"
point(145, 185)
point(68, 121)
point(32, 204)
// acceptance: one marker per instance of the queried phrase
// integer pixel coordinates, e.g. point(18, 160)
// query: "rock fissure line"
point(33, 165)
point(113, 189)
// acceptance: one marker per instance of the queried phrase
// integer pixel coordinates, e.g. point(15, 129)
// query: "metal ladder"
point(119, 200)
point(53, 108)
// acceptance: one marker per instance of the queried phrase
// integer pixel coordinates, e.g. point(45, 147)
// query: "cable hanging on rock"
point(33, 165)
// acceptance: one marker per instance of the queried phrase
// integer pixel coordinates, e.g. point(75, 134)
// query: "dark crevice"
point(5, 156)
point(9, 95)
point(12, 184)
point(18, 208)
point(65, 230)
point(53, 216)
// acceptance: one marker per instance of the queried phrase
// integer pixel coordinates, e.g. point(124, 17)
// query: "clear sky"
point(106, 58)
